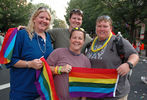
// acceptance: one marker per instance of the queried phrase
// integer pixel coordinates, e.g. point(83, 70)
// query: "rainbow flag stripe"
point(45, 83)
point(92, 82)
point(8, 45)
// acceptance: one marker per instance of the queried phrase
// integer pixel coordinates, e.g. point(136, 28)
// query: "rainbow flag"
point(8, 45)
point(45, 83)
point(92, 82)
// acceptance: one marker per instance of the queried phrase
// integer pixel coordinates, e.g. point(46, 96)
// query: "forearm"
point(134, 58)
point(22, 64)
point(35, 64)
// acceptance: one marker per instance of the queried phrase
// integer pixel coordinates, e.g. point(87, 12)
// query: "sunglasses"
point(105, 17)
point(77, 10)
point(78, 29)
point(40, 8)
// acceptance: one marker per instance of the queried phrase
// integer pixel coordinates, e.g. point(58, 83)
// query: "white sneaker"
point(144, 79)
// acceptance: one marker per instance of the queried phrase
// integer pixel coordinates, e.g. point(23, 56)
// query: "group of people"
point(36, 41)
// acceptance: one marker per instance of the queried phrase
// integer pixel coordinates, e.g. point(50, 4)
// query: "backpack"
point(119, 47)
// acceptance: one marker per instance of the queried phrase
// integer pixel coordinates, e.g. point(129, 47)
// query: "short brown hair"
point(76, 11)
point(105, 18)
point(78, 29)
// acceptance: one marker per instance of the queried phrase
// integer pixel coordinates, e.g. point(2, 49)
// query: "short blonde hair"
point(30, 26)
point(104, 18)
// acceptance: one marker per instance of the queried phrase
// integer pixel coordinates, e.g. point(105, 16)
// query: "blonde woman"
point(31, 44)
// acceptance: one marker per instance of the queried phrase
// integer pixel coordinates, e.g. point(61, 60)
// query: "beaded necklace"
point(92, 47)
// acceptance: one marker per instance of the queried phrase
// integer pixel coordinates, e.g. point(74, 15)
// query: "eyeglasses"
point(78, 29)
point(77, 10)
point(104, 17)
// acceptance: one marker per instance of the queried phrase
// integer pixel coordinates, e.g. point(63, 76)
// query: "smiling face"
point(76, 41)
point(41, 22)
point(103, 29)
point(75, 20)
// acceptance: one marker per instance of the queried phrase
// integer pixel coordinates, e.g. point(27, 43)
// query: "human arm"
point(21, 27)
point(64, 69)
point(123, 69)
point(35, 64)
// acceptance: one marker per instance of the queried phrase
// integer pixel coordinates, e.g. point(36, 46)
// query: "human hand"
point(36, 64)
point(20, 27)
point(66, 69)
point(123, 69)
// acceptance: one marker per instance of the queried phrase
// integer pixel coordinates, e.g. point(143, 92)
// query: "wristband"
point(56, 70)
point(59, 70)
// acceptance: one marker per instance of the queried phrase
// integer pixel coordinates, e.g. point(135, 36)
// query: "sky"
point(57, 5)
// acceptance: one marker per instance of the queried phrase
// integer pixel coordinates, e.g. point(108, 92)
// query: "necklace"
point(92, 47)
point(43, 51)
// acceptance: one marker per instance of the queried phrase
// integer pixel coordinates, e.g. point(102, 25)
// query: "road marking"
point(4, 86)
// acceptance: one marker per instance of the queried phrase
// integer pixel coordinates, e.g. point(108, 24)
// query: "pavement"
point(138, 88)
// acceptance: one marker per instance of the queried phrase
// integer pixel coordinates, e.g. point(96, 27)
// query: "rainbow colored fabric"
point(45, 83)
point(92, 82)
point(8, 45)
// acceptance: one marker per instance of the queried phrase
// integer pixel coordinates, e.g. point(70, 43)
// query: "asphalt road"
point(138, 88)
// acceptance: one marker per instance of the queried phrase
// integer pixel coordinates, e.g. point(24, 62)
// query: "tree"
point(58, 23)
point(13, 13)
point(128, 14)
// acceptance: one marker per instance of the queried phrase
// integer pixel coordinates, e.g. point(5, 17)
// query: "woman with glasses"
point(103, 55)
point(62, 60)
point(31, 44)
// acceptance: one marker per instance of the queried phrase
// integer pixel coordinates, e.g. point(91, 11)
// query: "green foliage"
point(126, 14)
point(58, 23)
point(13, 13)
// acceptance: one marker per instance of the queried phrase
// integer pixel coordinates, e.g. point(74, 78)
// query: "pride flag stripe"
point(94, 70)
point(104, 81)
point(44, 92)
point(10, 39)
point(8, 51)
point(88, 89)
point(86, 84)
point(91, 75)
point(90, 94)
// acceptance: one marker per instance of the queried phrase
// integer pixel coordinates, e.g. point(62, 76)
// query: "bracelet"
point(56, 70)
point(27, 64)
point(59, 70)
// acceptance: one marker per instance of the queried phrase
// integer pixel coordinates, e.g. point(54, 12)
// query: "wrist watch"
point(130, 65)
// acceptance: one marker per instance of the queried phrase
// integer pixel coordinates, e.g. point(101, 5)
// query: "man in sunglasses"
point(60, 36)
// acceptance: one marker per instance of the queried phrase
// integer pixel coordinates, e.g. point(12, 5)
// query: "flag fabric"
point(45, 83)
point(8, 46)
point(92, 82)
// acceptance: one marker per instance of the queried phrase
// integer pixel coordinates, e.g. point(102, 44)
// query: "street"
point(138, 88)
